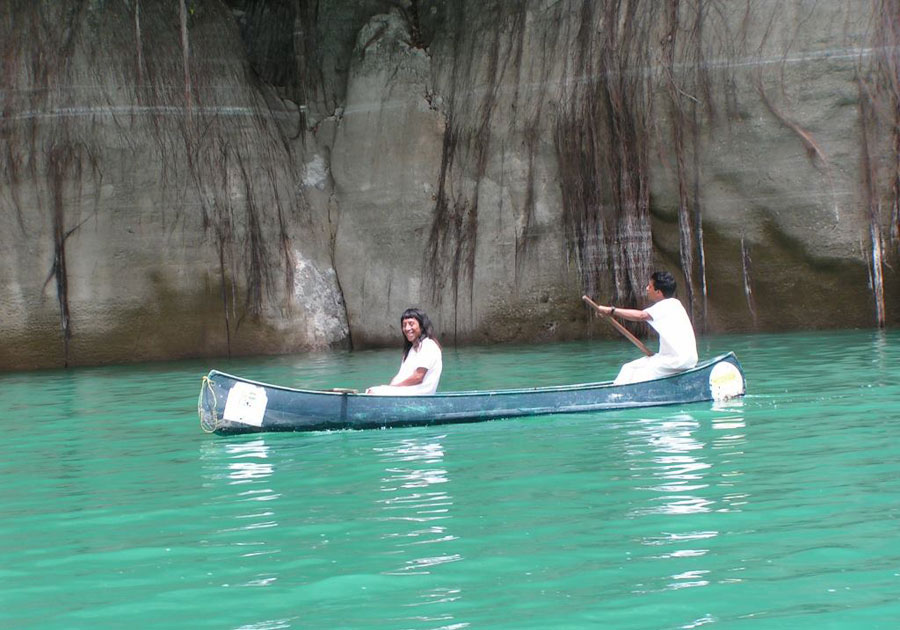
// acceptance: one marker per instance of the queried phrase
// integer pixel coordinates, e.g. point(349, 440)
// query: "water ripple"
point(779, 509)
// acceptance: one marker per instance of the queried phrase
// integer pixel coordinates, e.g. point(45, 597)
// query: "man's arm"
point(629, 314)
point(606, 310)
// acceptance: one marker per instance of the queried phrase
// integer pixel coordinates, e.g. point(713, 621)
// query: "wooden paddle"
point(618, 326)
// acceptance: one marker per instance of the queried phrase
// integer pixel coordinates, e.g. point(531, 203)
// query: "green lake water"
point(781, 510)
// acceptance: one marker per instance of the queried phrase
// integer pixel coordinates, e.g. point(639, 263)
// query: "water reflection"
point(244, 471)
point(676, 467)
point(234, 456)
point(416, 504)
point(731, 405)
point(686, 466)
point(270, 624)
point(247, 468)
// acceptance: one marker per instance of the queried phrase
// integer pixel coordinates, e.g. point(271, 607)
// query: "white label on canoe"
point(725, 381)
point(246, 404)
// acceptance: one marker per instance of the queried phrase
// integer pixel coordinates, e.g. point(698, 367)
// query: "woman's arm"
point(413, 379)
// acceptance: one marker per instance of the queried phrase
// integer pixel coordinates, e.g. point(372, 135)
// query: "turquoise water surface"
point(781, 510)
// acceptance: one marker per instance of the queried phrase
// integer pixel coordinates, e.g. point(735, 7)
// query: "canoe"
point(229, 404)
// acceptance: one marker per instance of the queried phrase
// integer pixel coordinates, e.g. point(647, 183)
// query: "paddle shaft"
point(618, 326)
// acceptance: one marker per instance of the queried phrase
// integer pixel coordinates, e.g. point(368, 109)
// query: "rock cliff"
point(247, 177)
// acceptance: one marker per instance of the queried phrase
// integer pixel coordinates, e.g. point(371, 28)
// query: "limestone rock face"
point(578, 159)
point(461, 220)
point(239, 177)
point(143, 220)
point(385, 163)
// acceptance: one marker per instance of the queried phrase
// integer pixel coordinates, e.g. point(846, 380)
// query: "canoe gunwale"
point(486, 392)
point(231, 404)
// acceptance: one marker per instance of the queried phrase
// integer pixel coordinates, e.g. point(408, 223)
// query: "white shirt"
point(677, 344)
point(428, 356)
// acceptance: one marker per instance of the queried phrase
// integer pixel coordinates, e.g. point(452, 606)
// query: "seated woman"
point(421, 367)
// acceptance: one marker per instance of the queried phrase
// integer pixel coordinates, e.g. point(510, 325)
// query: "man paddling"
point(677, 343)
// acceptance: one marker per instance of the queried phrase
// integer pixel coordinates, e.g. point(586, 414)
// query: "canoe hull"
point(229, 404)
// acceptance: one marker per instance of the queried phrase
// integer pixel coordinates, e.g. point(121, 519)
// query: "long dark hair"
point(424, 323)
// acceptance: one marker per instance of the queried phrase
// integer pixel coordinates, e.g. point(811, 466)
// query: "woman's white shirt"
point(428, 356)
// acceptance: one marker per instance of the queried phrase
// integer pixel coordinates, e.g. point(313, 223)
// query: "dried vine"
point(533, 124)
point(65, 163)
point(878, 82)
point(602, 140)
point(452, 241)
point(689, 94)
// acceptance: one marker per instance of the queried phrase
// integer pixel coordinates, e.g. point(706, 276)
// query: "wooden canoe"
point(230, 404)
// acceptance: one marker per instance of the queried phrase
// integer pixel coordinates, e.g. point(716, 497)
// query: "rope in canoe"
point(209, 422)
